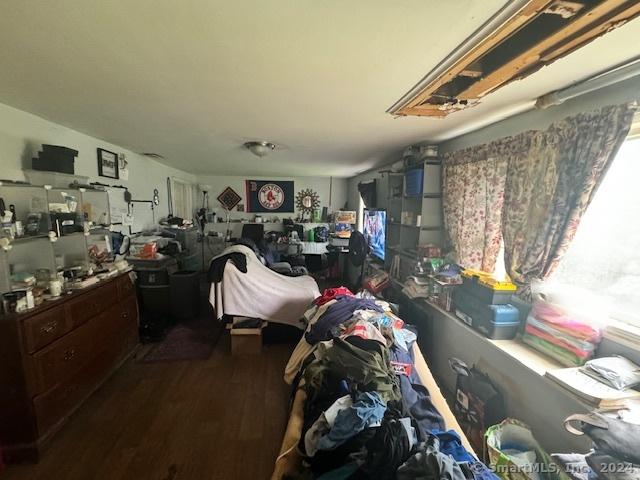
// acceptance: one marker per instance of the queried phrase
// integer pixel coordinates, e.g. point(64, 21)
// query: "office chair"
point(253, 231)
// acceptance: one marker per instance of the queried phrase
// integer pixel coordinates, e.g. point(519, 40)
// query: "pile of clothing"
point(367, 414)
point(560, 334)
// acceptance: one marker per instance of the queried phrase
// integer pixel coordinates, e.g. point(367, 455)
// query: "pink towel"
point(546, 312)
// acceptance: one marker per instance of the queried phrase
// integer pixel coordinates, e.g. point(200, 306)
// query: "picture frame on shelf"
point(108, 164)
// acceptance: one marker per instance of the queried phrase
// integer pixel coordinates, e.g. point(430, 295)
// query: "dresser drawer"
point(57, 403)
point(42, 329)
point(61, 359)
point(91, 304)
point(126, 287)
point(129, 309)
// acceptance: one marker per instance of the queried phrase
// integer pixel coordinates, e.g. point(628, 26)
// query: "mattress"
point(289, 461)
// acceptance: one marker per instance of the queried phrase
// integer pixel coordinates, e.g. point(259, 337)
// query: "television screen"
point(374, 230)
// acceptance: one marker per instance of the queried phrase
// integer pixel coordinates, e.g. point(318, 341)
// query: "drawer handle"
point(49, 327)
point(69, 354)
point(125, 314)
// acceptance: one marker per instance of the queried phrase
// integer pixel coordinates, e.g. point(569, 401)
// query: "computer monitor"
point(374, 230)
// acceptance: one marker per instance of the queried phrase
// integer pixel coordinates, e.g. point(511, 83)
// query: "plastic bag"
point(617, 372)
point(515, 454)
point(478, 403)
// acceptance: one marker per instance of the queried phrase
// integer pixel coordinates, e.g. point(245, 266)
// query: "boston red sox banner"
point(265, 196)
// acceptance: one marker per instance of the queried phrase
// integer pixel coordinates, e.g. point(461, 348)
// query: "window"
point(360, 214)
point(181, 198)
point(604, 257)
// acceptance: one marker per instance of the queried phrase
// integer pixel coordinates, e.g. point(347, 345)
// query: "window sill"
point(624, 334)
point(515, 351)
point(518, 351)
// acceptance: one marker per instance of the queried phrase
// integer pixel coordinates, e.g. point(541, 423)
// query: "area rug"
point(193, 340)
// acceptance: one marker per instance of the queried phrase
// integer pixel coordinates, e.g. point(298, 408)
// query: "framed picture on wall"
point(107, 164)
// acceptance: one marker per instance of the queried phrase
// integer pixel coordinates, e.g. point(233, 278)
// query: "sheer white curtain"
point(182, 198)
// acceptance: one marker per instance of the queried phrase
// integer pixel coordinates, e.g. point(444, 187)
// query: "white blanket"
point(261, 292)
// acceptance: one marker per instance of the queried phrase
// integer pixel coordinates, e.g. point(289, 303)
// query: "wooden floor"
point(222, 418)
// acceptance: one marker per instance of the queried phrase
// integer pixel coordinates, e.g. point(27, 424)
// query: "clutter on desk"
point(29, 291)
point(343, 230)
point(344, 221)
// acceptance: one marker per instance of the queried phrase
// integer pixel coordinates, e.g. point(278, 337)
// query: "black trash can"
point(185, 294)
point(155, 314)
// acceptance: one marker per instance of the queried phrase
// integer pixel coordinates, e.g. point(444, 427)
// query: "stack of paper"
point(591, 390)
point(623, 334)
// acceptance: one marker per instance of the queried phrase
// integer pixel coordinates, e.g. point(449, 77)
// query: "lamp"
point(205, 189)
point(259, 149)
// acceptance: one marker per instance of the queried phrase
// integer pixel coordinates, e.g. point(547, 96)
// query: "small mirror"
point(307, 202)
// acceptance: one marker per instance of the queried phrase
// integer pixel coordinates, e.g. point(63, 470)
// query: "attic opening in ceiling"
point(517, 42)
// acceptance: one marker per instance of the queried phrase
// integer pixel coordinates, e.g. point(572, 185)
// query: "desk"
point(303, 248)
point(314, 248)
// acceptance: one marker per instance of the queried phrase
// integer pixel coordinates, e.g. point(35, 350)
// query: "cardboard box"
point(246, 341)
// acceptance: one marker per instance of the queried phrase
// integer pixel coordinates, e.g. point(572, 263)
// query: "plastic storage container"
point(185, 294)
point(486, 288)
point(498, 322)
point(55, 158)
point(413, 182)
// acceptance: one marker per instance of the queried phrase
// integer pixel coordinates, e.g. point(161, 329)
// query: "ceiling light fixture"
point(259, 149)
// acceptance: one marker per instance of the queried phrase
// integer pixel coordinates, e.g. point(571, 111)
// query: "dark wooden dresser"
point(55, 356)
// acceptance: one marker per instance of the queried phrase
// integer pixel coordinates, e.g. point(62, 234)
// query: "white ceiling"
point(193, 79)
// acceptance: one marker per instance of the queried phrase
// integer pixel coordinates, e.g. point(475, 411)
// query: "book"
point(589, 389)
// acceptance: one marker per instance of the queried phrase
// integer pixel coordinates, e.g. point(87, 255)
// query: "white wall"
point(21, 137)
point(321, 185)
point(626, 91)
point(622, 92)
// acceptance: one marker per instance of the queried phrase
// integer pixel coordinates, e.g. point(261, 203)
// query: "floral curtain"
point(549, 184)
point(473, 194)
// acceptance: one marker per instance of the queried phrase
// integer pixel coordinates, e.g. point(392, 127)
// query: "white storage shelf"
point(29, 253)
point(428, 205)
point(30, 205)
